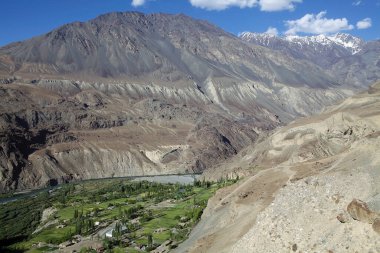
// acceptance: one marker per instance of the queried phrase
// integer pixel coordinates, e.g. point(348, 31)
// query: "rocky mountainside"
point(133, 94)
point(174, 51)
point(341, 54)
point(310, 186)
point(159, 47)
point(49, 137)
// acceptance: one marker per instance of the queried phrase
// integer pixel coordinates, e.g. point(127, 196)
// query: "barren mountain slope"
point(50, 136)
point(360, 68)
point(175, 51)
point(303, 177)
point(132, 93)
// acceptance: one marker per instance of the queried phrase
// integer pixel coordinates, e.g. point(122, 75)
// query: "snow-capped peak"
point(347, 41)
point(319, 39)
point(263, 39)
point(252, 35)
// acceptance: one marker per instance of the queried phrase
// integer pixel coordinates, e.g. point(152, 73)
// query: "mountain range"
point(349, 59)
point(345, 44)
point(136, 94)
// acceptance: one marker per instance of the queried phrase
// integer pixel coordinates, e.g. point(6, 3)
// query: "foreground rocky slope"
point(301, 194)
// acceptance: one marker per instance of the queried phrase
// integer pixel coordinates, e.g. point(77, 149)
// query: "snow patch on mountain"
point(350, 43)
point(263, 39)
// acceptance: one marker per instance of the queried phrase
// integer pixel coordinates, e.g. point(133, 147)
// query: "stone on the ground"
point(360, 211)
point(344, 217)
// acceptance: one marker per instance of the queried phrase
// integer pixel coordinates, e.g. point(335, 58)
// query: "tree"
point(197, 183)
point(120, 211)
point(150, 240)
point(62, 198)
point(117, 231)
point(79, 226)
point(90, 225)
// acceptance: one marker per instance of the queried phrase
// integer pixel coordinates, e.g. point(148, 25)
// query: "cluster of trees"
point(65, 192)
point(132, 212)
point(203, 183)
point(146, 191)
point(147, 216)
point(20, 218)
point(83, 224)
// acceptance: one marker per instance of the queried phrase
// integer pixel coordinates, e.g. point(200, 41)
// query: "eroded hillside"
point(53, 134)
point(302, 180)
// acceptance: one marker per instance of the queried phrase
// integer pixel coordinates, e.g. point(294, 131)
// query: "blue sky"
point(23, 19)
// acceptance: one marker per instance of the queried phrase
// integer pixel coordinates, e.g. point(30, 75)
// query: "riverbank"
point(168, 178)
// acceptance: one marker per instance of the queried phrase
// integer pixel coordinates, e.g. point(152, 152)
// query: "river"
point(164, 179)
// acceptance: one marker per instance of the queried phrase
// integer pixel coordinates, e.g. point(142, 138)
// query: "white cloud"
point(317, 24)
point(357, 3)
point(272, 30)
point(265, 5)
point(364, 24)
point(278, 5)
point(137, 3)
point(222, 4)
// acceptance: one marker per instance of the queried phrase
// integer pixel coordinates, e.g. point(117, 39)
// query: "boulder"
point(344, 217)
point(360, 211)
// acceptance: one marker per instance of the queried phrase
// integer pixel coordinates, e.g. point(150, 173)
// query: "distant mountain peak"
point(262, 39)
point(252, 34)
point(346, 41)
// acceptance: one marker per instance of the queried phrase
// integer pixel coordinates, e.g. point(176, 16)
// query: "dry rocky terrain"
point(129, 94)
point(314, 187)
point(136, 94)
point(49, 137)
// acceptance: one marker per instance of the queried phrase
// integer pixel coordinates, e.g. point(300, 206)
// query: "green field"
point(143, 215)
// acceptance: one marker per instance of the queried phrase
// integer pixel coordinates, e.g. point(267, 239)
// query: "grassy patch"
point(161, 237)
point(131, 250)
point(66, 213)
point(42, 249)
